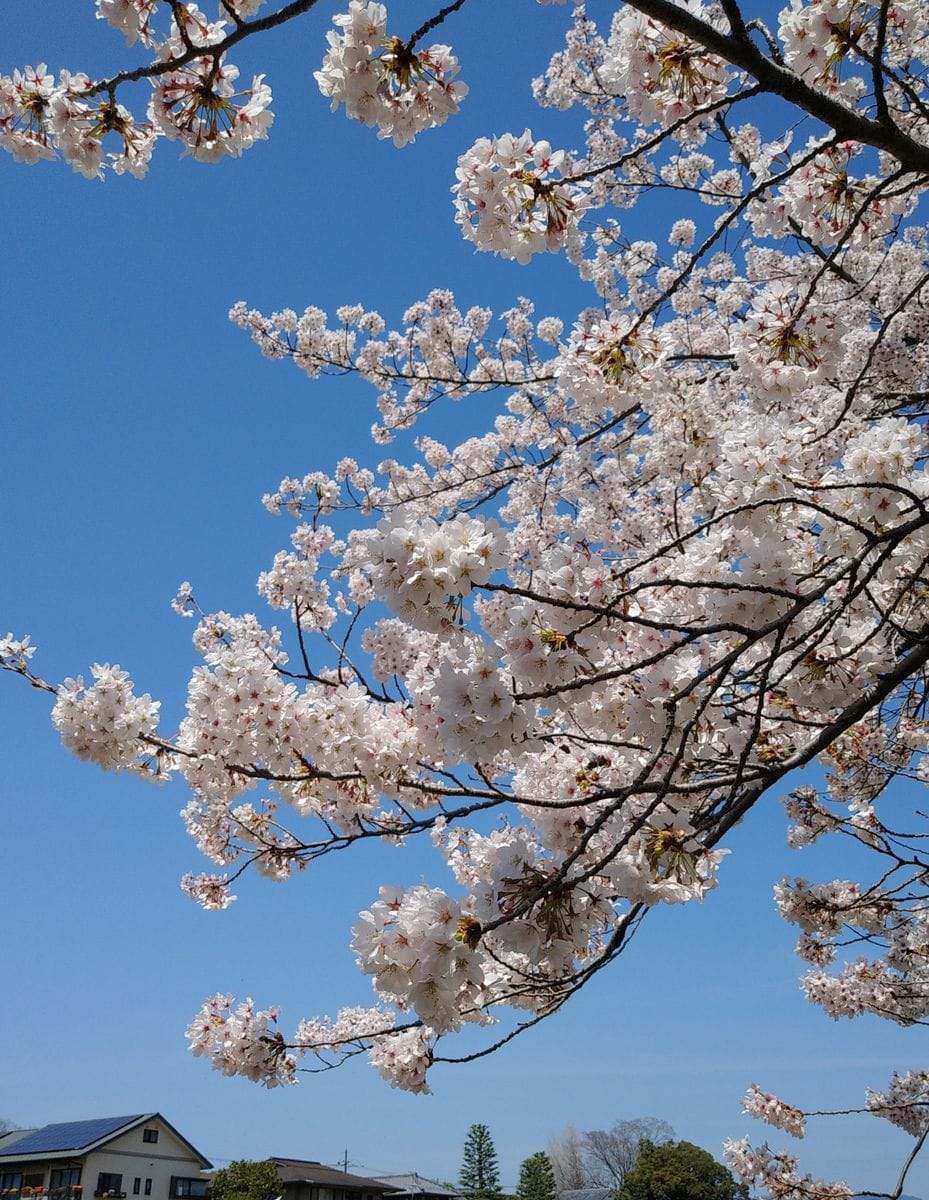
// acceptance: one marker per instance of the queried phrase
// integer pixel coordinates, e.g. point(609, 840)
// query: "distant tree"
point(537, 1178)
point(679, 1171)
point(245, 1180)
point(603, 1157)
point(480, 1175)
point(566, 1153)
point(7, 1126)
point(610, 1154)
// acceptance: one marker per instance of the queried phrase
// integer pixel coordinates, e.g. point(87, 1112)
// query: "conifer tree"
point(537, 1178)
point(480, 1176)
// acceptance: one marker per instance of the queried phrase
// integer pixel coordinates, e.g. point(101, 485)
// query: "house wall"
point(130, 1156)
point(315, 1191)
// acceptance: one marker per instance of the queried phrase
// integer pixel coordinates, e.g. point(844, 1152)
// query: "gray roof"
point(301, 1170)
point(597, 1193)
point(418, 1185)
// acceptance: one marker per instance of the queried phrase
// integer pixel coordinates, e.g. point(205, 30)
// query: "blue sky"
point(139, 431)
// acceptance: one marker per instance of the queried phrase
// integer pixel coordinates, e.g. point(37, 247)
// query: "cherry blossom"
point(383, 81)
point(686, 558)
point(403, 1058)
point(106, 722)
point(662, 75)
point(197, 105)
point(507, 199)
point(25, 101)
point(131, 17)
point(777, 1172)
point(242, 1041)
point(905, 1103)
point(767, 1107)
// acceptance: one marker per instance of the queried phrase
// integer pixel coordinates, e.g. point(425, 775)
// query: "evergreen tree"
point(679, 1171)
point(480, 1176)
point(537, 1178)
point(245, 1180)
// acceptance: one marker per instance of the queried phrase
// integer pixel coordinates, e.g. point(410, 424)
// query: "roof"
point(73, 1138)
point(7, 1139)
point(595, 1193)
point(301, 1170)
point(69, 1135)
point(418, 1185)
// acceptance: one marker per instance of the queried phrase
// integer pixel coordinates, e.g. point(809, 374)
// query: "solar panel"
point(68, 1135)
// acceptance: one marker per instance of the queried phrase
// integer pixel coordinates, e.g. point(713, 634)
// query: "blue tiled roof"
point(69, 1135)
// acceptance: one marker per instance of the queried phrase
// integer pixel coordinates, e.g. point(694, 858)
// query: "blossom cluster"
point(826, 907)
point(197, 103)
point(106, 722)
point(662, 75)
point(767, 1107)
point(242, 1041)
point(321, 1034)
point(824, 200)
point(832, 44)
point(383, 81)
point(905, 1103)
point(424, 570)
point(778, 1173)
point(135, 19)
point(39, 116)
point(211, 891)
point(15, 652)
point(510, 197)
point(410, 941)
point(403, 1058)
point(610, 363)
point(200, 106)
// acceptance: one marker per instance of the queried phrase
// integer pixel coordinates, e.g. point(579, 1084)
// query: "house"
point(591, 1193)
point(307, 1180)
point(417, 1187)
point(113, 1157)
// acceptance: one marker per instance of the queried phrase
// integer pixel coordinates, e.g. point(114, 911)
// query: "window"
point(136, 1186)
point(10, 1181)
point(149, 1135)
point(193, 1188)
point(65, 1177)
point(109, 1184)
point(148, 1187)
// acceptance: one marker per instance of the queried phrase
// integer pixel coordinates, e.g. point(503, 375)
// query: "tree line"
point(631, 1160)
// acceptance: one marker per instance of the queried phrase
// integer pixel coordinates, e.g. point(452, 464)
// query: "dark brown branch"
point(243, 30)
point(780, 81)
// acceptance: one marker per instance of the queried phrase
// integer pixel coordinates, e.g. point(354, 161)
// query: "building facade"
point(112, 1158)
point(303, 1179)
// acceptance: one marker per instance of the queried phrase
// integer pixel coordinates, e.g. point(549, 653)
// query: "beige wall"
point(133, 1158)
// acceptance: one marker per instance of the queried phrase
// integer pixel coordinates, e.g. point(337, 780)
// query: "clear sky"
point(139, 430)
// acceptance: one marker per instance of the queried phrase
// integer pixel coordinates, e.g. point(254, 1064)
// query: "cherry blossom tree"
point(687, 560)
